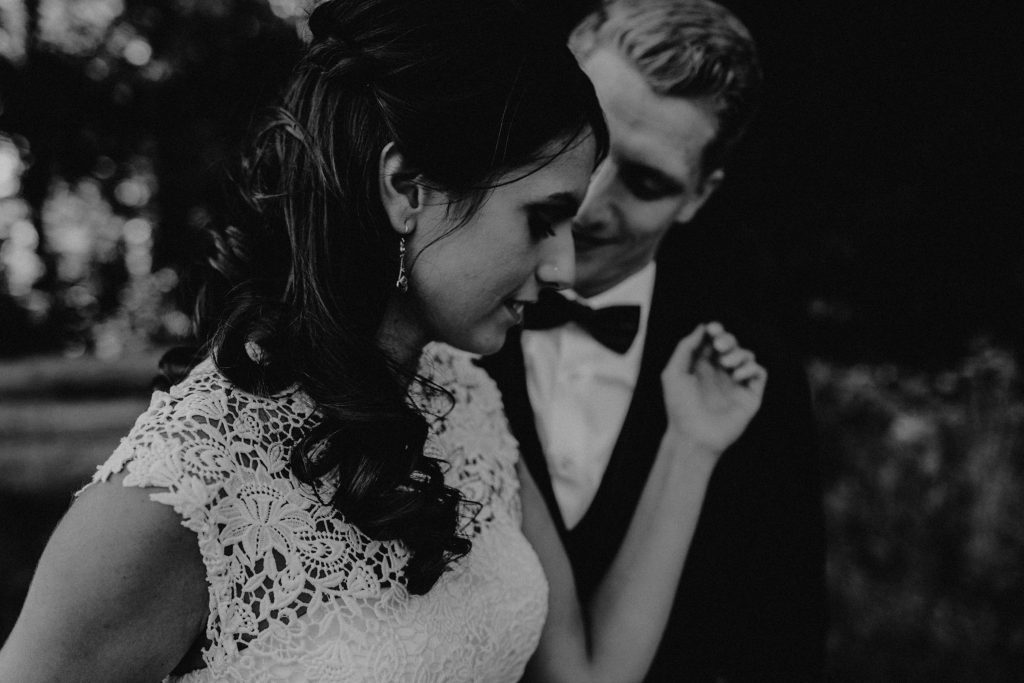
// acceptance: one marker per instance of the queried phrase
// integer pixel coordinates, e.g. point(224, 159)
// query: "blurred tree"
point(126, 112)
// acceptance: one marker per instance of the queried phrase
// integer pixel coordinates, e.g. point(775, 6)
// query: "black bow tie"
point(613, 326)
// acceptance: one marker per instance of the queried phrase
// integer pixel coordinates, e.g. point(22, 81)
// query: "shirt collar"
point(637, 289)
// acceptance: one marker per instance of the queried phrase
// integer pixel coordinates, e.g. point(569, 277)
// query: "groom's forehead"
point(673, 148)
point(663, 131)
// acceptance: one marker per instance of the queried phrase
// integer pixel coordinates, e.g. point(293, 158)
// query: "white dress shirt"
point(580, 391)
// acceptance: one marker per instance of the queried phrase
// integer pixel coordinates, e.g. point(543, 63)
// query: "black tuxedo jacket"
point(750, 603)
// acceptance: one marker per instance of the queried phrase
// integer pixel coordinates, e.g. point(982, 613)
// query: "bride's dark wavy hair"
point(468, 90)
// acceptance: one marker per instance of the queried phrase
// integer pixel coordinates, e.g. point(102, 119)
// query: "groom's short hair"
point(692, 49)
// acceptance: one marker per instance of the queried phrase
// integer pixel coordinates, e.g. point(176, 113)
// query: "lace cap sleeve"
point(193, 438)
point(220, 457)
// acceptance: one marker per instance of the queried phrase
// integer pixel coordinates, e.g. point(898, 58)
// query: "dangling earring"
point(402, 283)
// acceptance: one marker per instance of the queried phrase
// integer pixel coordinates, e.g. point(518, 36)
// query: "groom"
point(677, 80)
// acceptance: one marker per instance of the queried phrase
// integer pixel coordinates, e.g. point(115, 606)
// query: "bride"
point(331, 493)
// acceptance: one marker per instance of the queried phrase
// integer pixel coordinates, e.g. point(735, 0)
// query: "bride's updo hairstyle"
point(468, 90)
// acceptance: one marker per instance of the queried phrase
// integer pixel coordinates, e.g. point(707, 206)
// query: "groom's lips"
point(584, 242)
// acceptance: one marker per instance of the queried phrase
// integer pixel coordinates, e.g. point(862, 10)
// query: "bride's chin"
point(486, 342)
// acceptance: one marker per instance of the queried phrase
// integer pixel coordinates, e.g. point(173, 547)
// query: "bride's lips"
point(515, 309)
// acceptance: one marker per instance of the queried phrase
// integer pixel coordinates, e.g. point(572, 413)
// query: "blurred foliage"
point(117, 119)
point(924, 505)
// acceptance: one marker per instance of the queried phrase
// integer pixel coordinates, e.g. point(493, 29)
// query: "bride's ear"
point(402, 195)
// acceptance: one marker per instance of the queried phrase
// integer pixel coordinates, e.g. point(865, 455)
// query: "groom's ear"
point(707, 188)
point(400, 192)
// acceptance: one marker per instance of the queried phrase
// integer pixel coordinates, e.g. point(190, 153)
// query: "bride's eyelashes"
point(544, 216)
point(540, 224)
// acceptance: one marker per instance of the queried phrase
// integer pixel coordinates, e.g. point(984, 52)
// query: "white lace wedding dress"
point(296, 594)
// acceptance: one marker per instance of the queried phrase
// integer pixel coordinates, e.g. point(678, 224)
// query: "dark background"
point(874, 212)
point(882, 183)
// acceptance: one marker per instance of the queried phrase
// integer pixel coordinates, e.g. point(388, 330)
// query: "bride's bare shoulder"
point(119, 593)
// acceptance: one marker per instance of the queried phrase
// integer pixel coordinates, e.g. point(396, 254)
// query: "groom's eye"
point(645, 184)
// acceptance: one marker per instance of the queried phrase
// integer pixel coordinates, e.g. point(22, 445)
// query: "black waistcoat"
point(732, 576)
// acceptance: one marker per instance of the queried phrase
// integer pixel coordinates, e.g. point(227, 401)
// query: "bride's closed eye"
point(541, 224)
point(544, 216)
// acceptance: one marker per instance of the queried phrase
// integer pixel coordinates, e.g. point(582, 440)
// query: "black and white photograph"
point(559, 341)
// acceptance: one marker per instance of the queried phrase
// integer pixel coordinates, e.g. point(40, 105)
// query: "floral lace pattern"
point(296, 593)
